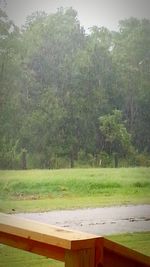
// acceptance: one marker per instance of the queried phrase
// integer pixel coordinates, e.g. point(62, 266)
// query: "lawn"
point(43, 190)
point(11, 257)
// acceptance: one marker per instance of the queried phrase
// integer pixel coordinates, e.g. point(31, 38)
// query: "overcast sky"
point(90, 12)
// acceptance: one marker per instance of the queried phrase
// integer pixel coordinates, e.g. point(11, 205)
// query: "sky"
point(105, 13)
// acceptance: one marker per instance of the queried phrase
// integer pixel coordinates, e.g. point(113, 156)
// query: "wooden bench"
point(75, 248)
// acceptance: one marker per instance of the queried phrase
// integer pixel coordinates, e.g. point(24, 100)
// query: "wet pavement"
point(100, 221)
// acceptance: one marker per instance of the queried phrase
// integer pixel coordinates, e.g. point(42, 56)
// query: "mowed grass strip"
point(43, 190)
point(11, 257)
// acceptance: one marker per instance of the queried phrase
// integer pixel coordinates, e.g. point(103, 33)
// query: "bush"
point(105, 160)
point(9, 157)
point(142, 160)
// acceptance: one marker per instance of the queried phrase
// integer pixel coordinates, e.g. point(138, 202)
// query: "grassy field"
point(43, 190)
point(11, 257)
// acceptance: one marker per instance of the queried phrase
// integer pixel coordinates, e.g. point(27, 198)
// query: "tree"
point(9, 91)
point(131, 60)
point(57, 39)
point(117, 139)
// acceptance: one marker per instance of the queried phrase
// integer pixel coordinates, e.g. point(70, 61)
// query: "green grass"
point(42, 190)
point(137, 241)
point(11, 257)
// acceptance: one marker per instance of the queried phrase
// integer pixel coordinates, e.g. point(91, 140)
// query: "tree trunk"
point(24, 160)
point(116, 160)
point(72, 159)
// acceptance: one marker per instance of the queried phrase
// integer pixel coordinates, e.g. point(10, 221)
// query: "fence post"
point(80, 258)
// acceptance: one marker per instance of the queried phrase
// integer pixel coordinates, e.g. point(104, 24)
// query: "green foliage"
point(106, 159)
point(117, 139)
point(56, 81)
point(9, 158)
point(142, 159)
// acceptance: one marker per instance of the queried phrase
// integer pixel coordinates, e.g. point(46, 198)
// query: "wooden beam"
point(116, 255)
point(50, 241)
point(47, 234)
point(75, 248)
point(32, 246)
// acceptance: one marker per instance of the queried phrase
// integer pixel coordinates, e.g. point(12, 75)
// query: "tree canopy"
point(67, 96)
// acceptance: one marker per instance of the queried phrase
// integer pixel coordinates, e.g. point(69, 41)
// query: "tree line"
point(71, 98)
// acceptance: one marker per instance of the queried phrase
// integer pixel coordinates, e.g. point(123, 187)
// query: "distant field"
point(11, 257)
point(43, 190)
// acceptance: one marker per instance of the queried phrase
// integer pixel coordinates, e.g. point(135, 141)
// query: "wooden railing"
point(75, 248)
